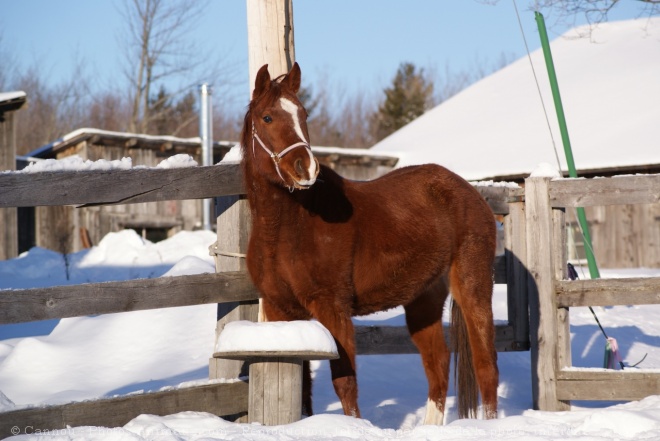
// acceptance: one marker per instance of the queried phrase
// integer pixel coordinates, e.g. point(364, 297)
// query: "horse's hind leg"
point(472, 289)
point(424, 320)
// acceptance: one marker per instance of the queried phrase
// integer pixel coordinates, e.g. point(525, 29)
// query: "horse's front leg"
point(344, 379)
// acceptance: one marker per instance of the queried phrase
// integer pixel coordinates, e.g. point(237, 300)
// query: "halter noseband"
point(277, 157)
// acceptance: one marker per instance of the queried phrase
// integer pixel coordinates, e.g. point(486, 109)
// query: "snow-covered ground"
point(87, 357)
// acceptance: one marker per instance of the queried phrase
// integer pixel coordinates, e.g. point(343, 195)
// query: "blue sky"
point(356, 44)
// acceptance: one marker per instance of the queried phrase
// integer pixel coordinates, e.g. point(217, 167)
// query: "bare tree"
point(7, 67)
point(156, 49)
point(337, 118)
point(108, 110)
point(52, 109)
point(448, 81)
point(568, 12)
point(594, 11)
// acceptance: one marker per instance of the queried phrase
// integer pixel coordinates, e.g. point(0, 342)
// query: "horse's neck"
point(269, 203)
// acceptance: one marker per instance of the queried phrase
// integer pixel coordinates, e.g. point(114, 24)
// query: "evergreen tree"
point(409, 96)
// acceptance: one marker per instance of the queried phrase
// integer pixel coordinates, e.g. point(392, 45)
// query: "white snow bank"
point(182, 160)
point(76, 163)
point(275, 336)
point(636, 420)
point(492, 183)
point(235, 154)
point(545, 170)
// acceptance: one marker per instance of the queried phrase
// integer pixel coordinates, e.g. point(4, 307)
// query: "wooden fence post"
point(9, 216)
point(516, 268)
point(275, 390)
point(542, 262)
point(233, 232)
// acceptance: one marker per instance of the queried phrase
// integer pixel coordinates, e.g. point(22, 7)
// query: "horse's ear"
point(262, 82)
point(293, 78)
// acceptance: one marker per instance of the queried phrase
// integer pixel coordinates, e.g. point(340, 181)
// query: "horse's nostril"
point(299, 167)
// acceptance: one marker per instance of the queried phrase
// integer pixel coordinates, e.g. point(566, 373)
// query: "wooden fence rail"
point(24, 305)
point(118, 186)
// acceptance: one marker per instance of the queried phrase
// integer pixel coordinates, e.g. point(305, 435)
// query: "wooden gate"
point(551, 294)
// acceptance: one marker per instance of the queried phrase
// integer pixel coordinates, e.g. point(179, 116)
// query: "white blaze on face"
point(292, 109)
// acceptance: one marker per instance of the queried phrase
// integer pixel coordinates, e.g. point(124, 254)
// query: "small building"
point(70, 229)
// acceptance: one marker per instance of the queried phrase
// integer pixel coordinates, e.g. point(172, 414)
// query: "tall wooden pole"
point(270, 37)
point(270, 41)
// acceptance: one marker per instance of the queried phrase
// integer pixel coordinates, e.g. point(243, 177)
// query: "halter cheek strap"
point(276, 157)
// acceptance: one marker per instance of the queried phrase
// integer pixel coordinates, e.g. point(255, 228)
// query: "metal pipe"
point(206, 136)
point(572, 171)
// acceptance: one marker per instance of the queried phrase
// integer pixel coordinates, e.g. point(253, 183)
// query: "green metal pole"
point(572, 172)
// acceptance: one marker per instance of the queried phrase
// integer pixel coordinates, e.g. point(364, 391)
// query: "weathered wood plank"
point(542, 299)
point(221, 399)
point(638, 189)
point(612, 385)
point(500, 269)
point(24, 305)
point(101, 187)
point(516, 274)
point(118, 186)
point(383, 340)
point(608, 292)
point(499, 197)
point(233, 226)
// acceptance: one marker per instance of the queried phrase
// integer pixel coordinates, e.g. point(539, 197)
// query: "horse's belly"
point(382, 286)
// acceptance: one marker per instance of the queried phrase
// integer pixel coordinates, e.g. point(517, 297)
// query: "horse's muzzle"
point(306, 177)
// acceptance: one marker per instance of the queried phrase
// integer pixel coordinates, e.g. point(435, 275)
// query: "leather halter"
point(277, 157)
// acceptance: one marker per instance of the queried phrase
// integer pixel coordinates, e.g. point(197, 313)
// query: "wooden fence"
point(232, 290)
point(531, 272)
point(551, 295)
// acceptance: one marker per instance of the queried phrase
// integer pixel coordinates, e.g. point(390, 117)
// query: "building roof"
point(11, 101)
point(170, 143)
point(124, 139)
point(609, 83)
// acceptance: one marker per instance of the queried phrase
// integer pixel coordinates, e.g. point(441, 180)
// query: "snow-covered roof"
point(356, 156)
point(110, 137)
point(610, 87)
point(9, 96)
point(11, 100)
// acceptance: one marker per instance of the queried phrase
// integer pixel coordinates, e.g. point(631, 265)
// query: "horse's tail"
point(465, 381)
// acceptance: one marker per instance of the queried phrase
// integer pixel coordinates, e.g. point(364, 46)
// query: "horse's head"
point(279, 143)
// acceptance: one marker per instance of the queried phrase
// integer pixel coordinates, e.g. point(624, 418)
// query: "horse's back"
point(432, 187)
point(412, 223)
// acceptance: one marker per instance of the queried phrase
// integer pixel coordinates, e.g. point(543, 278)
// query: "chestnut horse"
point(328, 248)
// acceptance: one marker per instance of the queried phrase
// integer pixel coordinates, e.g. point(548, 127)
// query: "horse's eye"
point(268, 119)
